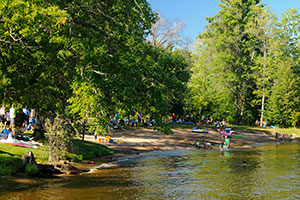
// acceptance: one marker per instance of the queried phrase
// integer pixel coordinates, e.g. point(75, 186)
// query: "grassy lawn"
point(11, 156)
point(88, 150)
point(272, 130)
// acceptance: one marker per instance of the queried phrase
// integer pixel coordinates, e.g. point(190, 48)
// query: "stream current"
point(271, 171)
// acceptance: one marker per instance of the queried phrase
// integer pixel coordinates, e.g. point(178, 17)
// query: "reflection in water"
point(270, 172)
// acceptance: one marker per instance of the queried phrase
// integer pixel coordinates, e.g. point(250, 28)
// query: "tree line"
point(247, 65)
point(88, 59)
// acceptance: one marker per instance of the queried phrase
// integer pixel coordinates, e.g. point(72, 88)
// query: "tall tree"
point(284, 101)
point(229, 44)
point(261, 28)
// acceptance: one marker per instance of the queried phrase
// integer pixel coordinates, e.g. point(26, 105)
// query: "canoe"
point(199, 131)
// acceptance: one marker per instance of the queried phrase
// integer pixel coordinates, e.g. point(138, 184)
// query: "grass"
point(11, 156)
point(272, 130)
point(41, 153)
point(88, 150)
point(9, 164)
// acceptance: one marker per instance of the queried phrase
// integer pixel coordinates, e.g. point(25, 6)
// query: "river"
point(264, 172)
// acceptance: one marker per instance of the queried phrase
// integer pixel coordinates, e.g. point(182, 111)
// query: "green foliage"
point(87, 59)
point(60, 135)
point(284, 97)
point(284, 103)
point(9, 164)
point(246, 63)
point(31, 39)
point(221, 75)
point(31, 170)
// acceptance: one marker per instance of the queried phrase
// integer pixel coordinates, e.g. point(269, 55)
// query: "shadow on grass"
point(4, 152)
point(9, 164)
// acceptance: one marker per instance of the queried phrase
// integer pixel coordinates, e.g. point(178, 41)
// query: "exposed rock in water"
point(67, 168)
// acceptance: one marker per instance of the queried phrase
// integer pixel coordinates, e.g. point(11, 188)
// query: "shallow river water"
point(270, 172)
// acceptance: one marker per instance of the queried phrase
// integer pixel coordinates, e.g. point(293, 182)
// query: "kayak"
point(199, 131)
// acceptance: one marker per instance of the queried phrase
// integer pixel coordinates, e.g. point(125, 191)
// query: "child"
point(221, 146)
point(227, 143)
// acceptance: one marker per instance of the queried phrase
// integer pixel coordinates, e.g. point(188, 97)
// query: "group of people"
point(264, 123)
point(15, 121)
point(177, 119)
point(206, 120)
point(220, 124)
point(7, 117)
point(133, 120)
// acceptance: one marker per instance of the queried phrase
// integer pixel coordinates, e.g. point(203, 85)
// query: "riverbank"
point(133, 141)
point(11, 156)
point(138, 140)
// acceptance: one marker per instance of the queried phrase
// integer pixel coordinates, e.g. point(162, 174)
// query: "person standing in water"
point(221, 146)
point(226, 143)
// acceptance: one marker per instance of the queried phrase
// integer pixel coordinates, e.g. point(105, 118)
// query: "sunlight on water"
point(264, 172)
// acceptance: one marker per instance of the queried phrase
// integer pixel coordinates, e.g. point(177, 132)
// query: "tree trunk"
point(237, 108)
point(264, 95)
point(262, 108)
point(83, 131)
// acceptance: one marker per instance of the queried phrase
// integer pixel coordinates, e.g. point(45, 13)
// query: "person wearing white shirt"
point(2, 116)
point(12, 116)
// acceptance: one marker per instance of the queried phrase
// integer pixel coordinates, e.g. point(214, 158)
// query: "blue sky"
point(193, 12)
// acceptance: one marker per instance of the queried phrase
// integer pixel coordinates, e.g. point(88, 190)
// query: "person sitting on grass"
point(217, 124)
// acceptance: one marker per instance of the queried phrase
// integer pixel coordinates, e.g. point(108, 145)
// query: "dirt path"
point(144, 139)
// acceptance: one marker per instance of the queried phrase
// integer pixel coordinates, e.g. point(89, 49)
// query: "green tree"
point(115, 65)
point(284, 103)
point(284, 100)
point(225, 57)
point(32, 54)
point(261, 28)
